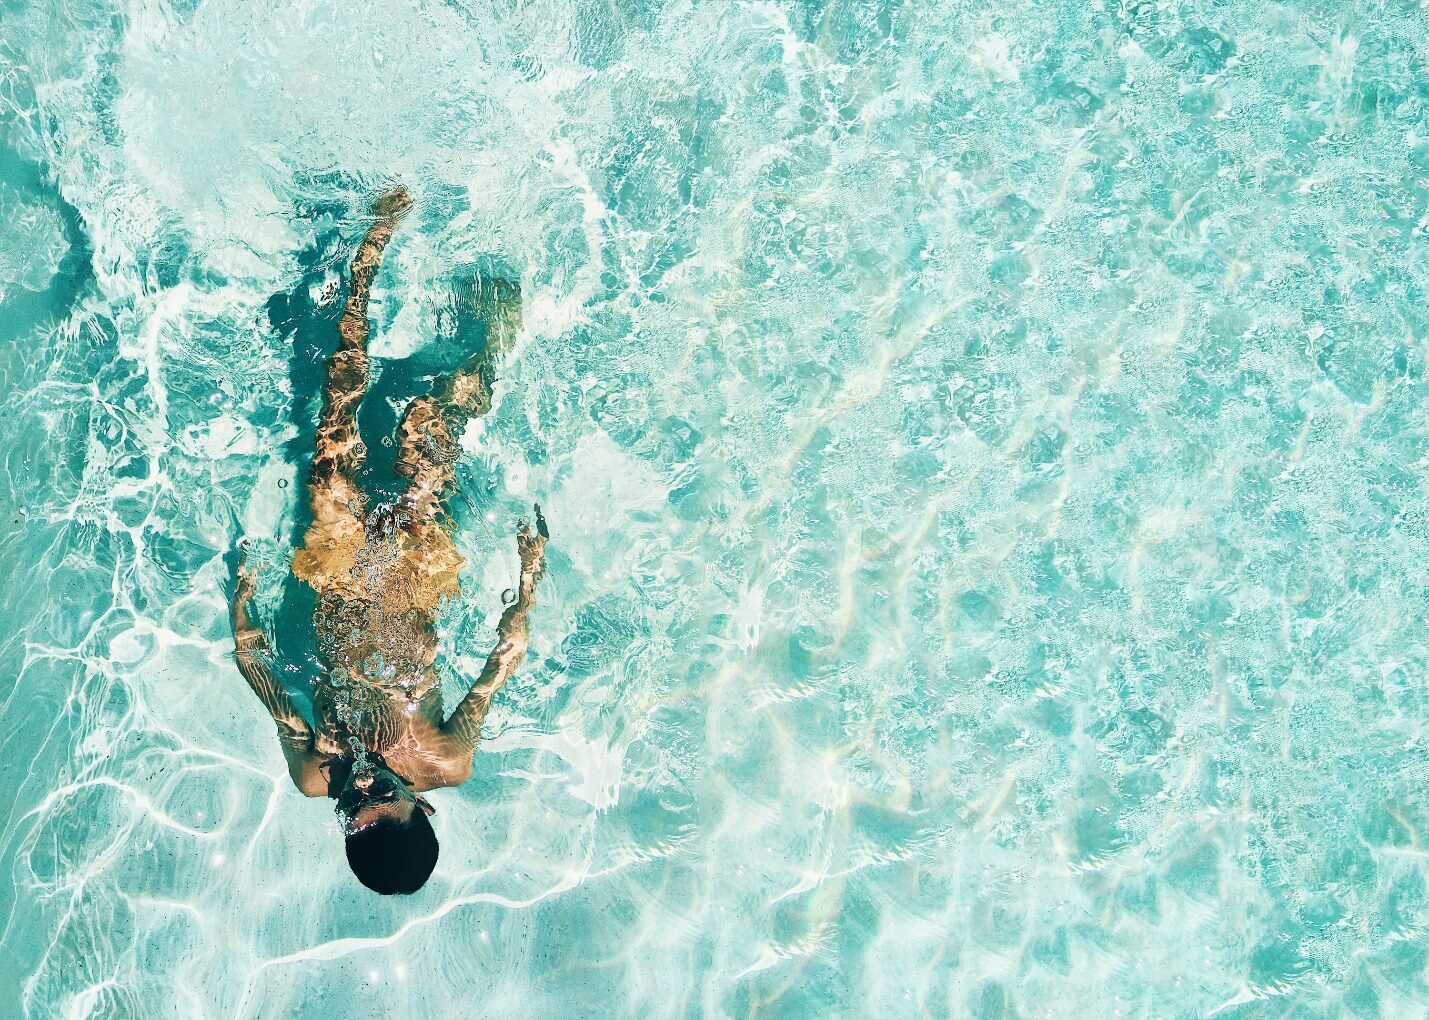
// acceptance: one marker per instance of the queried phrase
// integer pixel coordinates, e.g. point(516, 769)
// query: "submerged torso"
point(379, 584)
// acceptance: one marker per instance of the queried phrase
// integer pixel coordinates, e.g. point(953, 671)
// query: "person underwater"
point(379, 738)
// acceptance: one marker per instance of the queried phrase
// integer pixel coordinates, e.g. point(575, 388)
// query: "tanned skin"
point(381, 573)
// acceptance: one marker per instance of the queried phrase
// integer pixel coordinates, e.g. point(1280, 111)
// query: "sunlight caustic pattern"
point(984, 447)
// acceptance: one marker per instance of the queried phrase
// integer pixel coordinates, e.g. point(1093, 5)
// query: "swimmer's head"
point(391, 847)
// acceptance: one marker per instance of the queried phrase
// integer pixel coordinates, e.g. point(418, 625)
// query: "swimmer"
point(380, 739)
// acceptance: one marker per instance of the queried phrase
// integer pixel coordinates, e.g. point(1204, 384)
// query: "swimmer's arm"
point(460, 731)
point(294, 734)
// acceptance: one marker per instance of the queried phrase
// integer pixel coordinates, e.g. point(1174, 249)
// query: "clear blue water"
point(985, 450)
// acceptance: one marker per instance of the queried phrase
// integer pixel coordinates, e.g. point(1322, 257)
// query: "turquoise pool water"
point(985, 453)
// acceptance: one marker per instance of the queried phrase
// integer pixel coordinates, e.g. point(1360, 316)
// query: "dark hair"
point(390, 856)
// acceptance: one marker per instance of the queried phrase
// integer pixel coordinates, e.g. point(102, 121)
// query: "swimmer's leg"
point(332, 481)
point(431, 426)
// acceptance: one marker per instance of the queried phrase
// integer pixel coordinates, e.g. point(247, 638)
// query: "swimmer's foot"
point(393, 204)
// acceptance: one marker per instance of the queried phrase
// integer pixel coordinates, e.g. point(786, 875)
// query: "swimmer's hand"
point(247, 635)
point(532, 549)
point(244, 580)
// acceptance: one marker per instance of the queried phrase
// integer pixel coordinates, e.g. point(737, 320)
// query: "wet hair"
point(394, 857)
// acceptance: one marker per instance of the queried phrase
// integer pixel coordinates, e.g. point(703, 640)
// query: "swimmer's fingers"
point(525, 537)
point(531, 548)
